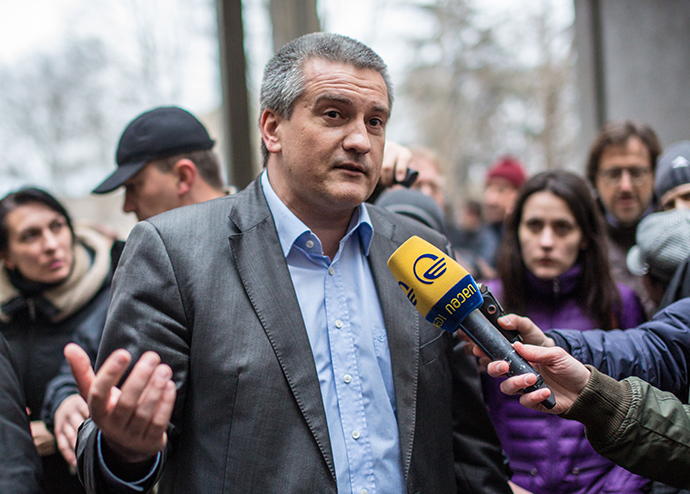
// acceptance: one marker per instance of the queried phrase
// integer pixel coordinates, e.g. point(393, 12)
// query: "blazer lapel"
point(402, 330)
point(266, 278)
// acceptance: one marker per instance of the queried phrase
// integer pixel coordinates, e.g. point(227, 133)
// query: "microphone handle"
point(497, 347)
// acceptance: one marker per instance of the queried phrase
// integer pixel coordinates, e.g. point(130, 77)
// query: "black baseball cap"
point(156, 134)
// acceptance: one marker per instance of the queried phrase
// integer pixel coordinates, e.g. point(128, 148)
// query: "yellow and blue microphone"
point(447, 296)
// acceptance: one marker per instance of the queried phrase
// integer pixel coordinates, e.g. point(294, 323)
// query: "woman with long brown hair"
point(553, 268)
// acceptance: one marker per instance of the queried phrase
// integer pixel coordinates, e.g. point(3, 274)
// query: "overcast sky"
point(28, 25)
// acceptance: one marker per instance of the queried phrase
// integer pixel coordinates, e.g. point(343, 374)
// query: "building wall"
point(642, 70)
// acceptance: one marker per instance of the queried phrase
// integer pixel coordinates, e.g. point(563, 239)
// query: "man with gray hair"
point(274, 350)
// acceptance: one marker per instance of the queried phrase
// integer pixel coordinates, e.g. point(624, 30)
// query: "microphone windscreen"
point(439, 288)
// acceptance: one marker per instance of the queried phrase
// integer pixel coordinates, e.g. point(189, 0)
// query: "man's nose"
point(626, 180)
point(129, 205)
point(357, 138)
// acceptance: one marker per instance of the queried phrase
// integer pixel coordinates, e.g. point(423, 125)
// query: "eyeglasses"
point(638, 175)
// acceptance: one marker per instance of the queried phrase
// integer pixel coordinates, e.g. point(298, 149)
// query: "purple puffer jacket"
point(547, 453)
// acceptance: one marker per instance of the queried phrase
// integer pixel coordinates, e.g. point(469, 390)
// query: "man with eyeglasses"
point(621, 167)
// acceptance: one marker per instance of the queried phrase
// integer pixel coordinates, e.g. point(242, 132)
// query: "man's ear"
point(186, 173)
point(270, 132)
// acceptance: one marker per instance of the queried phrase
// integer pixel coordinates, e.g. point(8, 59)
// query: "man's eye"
point(376, 122)
point(332, 114)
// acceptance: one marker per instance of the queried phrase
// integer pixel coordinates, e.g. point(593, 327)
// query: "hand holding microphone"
point(447, 296)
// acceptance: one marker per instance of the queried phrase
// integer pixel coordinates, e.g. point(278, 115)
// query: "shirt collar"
point(290, 228)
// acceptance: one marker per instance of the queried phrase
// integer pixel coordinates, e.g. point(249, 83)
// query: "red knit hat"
point(510, 168)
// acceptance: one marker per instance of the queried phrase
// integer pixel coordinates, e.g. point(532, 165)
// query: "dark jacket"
point(620, 241)
point(38, 325)
point(20, 466)
point(208, 288)
point(679, 286)
point(547, 454)
point(641, 428)
point(657, 351)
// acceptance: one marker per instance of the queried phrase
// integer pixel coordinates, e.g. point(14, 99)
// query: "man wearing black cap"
point(164, 161)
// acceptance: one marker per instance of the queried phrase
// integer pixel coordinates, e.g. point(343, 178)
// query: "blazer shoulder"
point(212, 209)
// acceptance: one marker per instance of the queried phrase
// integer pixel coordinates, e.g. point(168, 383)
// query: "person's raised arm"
point(396, 161)
point(394, 169)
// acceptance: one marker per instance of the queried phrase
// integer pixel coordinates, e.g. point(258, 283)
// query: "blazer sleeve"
point(657, 351)
point(146, 313)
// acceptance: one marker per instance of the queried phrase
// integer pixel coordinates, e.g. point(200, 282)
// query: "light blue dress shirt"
point(344, 323)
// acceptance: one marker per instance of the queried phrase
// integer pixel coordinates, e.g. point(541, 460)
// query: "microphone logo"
point(432, 273)
point(409, 292)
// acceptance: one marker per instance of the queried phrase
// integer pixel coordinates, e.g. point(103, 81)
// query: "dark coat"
point(36, 343)
point(679, 286)
point(20, 466)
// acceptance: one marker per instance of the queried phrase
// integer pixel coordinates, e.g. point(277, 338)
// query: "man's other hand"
point(134, 418)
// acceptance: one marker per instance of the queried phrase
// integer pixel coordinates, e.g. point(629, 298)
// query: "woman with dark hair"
point(553, 268)
point(54, 289)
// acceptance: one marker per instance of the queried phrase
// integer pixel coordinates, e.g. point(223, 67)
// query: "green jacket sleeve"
point(637, 426)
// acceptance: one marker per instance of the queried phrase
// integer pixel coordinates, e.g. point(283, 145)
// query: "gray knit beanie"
point(673, 168)
point(662, 244)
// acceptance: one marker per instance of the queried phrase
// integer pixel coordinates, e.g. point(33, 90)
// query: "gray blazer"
point(208, 288)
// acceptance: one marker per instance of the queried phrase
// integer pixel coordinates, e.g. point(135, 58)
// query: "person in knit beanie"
point(503, 180)
point(672, 181)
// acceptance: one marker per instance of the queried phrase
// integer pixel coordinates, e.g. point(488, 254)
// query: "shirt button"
point(355, 434)
point(331, 270)
point(338, 324)
point(347, 378)
point(310, 244)
point(364, 491)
